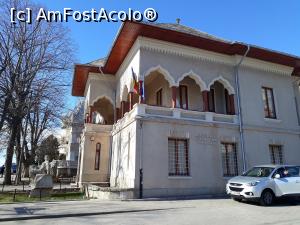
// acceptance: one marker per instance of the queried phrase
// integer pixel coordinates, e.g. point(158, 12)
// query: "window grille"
point(229, 159)
point(178, 157)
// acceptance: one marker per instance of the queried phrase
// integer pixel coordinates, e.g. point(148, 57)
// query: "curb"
point(182, 198)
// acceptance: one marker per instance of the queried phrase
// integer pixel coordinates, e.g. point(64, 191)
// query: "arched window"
point(97, 156)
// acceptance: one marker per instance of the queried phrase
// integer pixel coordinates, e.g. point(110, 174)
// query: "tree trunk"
point(19, 157)
point(10, 153)
point(4, 111)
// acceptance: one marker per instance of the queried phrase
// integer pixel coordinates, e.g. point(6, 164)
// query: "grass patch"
point(24, 197)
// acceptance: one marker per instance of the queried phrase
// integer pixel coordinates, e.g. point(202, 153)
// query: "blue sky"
point(267, 23)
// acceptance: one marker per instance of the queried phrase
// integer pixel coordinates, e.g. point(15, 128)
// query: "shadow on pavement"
point(35, 217)
point(26, 210)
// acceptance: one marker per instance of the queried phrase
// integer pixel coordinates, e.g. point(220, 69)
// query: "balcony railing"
point(177, 113)
point(91, 127)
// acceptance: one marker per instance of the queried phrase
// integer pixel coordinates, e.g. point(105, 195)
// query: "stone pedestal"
point(42, 185)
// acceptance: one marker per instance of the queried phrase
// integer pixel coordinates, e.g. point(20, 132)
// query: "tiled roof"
point(188, 30)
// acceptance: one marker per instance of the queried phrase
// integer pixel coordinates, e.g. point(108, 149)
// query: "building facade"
point(184, 111)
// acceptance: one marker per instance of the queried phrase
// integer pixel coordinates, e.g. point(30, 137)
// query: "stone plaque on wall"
point(206, 139)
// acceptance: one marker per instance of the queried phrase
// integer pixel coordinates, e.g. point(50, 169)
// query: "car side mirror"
point(277, 176)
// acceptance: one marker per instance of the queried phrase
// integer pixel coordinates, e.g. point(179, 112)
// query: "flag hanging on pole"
point(135, 83)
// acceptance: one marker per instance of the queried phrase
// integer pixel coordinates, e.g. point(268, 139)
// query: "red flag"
point(135, 82)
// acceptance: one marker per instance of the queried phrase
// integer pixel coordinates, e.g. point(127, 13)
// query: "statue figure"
point(45, 167)
point(42, 178)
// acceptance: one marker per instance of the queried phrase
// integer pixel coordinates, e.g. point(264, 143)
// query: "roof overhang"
point(80, 77)
point(130, 31)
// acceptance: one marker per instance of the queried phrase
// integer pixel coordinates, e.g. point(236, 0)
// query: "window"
point(229, 159)
point(269, 105)
point(97, 156)
point(292, 171)
point(159, 97)
point(276, 154)
point(211, 100)
point(183, 93)
point(178, 157)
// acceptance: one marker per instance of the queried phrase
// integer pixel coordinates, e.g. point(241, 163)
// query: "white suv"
point(265, 183)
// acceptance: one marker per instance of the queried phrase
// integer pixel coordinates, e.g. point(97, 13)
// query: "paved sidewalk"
point(38, 210)
point(177, 212)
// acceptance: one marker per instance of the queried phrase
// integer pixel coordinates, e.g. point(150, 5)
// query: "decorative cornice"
point(208, 56)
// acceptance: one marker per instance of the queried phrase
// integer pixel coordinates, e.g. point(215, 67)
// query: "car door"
point(283, 184)
point(294, 180)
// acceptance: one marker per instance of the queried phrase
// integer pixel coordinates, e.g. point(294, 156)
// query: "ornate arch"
point(105, 97)
point(195, 77)
point(223, 81)
point(162, 71)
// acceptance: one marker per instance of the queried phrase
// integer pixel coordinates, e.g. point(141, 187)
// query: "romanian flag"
point(135, 83)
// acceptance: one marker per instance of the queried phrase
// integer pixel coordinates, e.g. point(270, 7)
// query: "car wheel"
point(267, 198)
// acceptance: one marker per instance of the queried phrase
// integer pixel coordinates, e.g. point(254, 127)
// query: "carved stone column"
point(90, 114)
point(130, 100)
point(117, 114)
point(123, 108)
point(174, 96)
point(205, 101)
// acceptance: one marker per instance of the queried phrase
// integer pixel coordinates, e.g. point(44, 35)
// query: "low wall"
point(96, 192)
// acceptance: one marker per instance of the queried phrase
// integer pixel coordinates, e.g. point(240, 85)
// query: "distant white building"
point(73, 126)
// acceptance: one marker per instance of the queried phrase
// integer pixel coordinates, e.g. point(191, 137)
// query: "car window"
point(259, 172)
point(292, 171)
point(279, 171)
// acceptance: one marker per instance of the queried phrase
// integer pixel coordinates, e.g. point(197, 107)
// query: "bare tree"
point(34, 58)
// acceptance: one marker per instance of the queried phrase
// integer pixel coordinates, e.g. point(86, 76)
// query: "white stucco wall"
point(124, 74)
point(88, 153)
point(123, 163)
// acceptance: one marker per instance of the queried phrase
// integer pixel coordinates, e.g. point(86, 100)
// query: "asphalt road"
point(205, 211)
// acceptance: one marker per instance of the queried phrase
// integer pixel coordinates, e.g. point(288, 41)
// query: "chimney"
point(178, 20)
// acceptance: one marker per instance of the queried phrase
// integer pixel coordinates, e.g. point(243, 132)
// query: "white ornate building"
point(206, 109)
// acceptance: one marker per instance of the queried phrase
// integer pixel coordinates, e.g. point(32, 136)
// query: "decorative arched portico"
point(157, 89)
point(220, 98)
point(104, 107)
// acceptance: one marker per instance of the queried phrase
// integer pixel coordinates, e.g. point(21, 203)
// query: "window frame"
point(158, 95)
point(236, 166)
point(267, 103)
point(183, 86)
point(273, 147)
point(187, 158)
point(97, 156)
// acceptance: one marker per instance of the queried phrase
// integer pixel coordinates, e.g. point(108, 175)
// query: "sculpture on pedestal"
point(42, 181)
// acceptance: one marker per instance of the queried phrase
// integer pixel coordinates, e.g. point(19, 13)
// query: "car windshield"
point(259, 172)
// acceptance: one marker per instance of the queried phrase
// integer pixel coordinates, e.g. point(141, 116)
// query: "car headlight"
point(253, 183)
